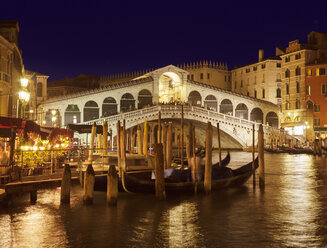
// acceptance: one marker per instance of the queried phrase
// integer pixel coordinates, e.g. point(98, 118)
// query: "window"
point(254, 68)
point(287, 73)
point(201, 76)
point(317, 108)
point(248, 93)
point(247, 70)
point(278, 77)
point(309, 105)
point(297, 104)
point(316, 122)
point(287, 89)
point(39, 89)
point(255, 94)
point(287, 105)
point(322, 71)
point(278, 93)
point(235, 85)
point(241, 83)
point(263, 66)
point(308, 90)
point(225, 78)
point(287, 59)
point(278, 65)
point(323, 89)
point(309, 72)
point(298, 71)
point(228, 78)
point(263, 93)
point(192, 77)
point(297, 87)
point(188, 77)
point(208, 76)
point(297, 56)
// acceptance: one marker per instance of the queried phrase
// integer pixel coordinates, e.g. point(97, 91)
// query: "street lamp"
point(23, 95)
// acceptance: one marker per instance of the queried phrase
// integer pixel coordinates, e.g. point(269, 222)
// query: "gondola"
point(224, 162)
point(324, 148)
point(141, 182)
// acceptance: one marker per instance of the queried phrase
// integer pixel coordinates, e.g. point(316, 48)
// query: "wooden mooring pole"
point(159, 128)
point(182, 136)
point(112, 185)
point(105, 138)
point(139, 140)
point(208, 162)
point(261, 157)
point(169, 144)
point(89, 176)
point(65, 185)
point(253, 149)
point(159, 172)
point(219, 146)
point(145, 138)
point(164, 142)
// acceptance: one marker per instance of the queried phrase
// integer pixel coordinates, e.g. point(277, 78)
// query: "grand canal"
point(290, 212)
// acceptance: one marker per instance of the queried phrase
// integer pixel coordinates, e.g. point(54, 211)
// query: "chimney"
point(261, 54)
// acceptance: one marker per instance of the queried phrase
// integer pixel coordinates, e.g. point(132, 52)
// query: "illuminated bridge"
point(142, 98)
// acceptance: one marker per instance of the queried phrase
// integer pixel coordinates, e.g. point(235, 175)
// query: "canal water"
point(290, 212)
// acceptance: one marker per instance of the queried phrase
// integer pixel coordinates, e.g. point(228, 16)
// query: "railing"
point(171, 110)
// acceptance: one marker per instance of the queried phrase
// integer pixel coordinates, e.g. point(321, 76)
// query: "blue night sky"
point(66, 38)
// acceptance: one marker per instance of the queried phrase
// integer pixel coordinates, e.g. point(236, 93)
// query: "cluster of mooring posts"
point(162, 159)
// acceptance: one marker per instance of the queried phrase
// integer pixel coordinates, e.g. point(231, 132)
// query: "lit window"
point(309, 72)
point(317, 72)
point(308, 90)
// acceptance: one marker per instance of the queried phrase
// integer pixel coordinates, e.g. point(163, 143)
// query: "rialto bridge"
point(164, 90)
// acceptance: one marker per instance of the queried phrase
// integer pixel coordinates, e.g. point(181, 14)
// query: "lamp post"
point(23, 96)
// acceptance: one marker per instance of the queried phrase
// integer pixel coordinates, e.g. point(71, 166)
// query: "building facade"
point(295, 114)
point(37, 88)
point(260, 80)
point(11, 68)
point(316, 96)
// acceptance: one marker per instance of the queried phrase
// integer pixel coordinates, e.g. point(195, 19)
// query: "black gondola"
point(141, 182)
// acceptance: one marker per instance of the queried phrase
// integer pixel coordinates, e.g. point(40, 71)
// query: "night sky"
point(66, 38)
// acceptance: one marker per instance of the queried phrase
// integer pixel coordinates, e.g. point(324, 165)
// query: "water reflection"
point(292, 212)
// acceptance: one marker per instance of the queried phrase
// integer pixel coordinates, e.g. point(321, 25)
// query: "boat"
point(141, 182)
point(224, 162)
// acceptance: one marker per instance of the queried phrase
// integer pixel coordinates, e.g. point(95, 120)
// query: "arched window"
point(278, 93)
point(39, 89)
point(91, 111)
point(255, 94)
point(297, 104)
point(195, 99)
point(241, 111)
point(287, 73)
point(298, 71)
point(127, 103)
point(297, 87)
point(287, 89)
point(109, 107)
point(226, 107)
point(287, 105)
point(210, 102)
point(144, 98)
point(309, 105)
point(263, 93)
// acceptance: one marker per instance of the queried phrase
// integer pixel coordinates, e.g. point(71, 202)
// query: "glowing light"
point(53, 112)
point(54, 118)
point(23, 95)
point(24, 82)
